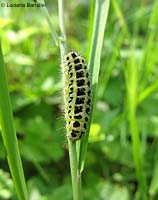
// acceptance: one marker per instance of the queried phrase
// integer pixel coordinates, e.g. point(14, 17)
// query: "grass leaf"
point(100, 18)
point(9, 135)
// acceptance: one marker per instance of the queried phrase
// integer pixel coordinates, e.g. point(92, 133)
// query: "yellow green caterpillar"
point(76, 95)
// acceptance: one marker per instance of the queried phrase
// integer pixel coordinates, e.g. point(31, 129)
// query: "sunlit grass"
point(9, 135)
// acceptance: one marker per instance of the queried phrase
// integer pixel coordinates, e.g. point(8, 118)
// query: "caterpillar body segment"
point(76, 95)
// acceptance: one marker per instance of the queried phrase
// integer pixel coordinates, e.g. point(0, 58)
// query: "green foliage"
point(9, 134)
point(124, 131)
point(6, 185)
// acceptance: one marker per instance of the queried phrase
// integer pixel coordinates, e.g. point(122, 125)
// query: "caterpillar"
point(77, 95)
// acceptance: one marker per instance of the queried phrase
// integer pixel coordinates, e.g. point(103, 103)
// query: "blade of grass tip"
point(100, 18)
point(9, 135)
point(48, 18)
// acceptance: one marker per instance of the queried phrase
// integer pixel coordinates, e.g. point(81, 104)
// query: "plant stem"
point(132, 86)
point(62, 39)
point(9, 135)
point(48, 18)
point(75, 176)
point(100, 19)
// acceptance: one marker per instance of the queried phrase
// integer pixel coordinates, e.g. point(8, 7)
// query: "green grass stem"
point(120, 16)
point(100, 19)
point(149, 59)
point(9, 135)
point(48, 18)
point(75, 176)
point(131, 74)
point(62, 38)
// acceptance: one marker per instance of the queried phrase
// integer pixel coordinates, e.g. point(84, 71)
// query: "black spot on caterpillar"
point(76, 95)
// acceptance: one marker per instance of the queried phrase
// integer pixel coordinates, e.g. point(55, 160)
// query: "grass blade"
point(62, 39)
point(48, 18)
point(77, 194)
point(149, 59)
point(132, 77)
point(120, 16)
point(154, 183)
point(9, 135)
point(100, 18)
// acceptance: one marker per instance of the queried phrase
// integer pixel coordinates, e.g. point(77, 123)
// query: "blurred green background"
point(128, 76)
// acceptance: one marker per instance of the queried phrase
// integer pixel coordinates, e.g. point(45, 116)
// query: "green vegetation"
point(121, 161)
